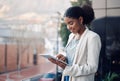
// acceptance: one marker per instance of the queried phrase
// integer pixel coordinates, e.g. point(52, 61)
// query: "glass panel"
point(29, 28)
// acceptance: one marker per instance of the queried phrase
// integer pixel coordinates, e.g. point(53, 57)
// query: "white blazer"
point(86, 58)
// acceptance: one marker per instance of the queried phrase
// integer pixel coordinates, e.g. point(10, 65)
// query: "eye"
point(70, 23)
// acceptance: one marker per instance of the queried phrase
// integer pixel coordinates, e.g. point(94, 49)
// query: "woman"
point(83, 47)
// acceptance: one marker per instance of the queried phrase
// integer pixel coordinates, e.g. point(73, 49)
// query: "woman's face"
point(73, 25)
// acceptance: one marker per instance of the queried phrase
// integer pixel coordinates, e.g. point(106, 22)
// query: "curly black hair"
point(85, 11)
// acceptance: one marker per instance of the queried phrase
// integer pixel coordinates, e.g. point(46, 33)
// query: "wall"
point(104, 8)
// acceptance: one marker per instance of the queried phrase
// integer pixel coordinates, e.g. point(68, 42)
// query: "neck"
point(78, 35)
point(82, 30)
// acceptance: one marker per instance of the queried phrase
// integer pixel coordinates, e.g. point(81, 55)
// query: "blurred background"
point(29, 28)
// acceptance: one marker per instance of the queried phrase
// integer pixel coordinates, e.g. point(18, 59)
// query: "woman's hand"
point(60, 57)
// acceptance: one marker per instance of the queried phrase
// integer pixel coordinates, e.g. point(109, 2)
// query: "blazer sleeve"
point(94, 46)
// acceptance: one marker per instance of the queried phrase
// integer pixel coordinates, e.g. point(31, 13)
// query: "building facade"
point(107, 25)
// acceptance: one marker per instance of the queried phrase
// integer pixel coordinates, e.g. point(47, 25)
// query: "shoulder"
point(92, 34)
point(93, 38)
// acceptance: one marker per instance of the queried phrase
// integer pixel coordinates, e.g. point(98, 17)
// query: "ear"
point(81, 20)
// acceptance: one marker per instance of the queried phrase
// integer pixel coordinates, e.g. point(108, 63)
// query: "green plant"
point(110, 76)
point(64, 33)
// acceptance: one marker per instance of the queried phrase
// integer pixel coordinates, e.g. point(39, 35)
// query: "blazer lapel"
point(83, 36)
point(71, 37)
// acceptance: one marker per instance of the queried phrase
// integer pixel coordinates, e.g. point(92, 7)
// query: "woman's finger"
point(62, 65)
point(59, 56)
point(63, 58)
point(52, 60)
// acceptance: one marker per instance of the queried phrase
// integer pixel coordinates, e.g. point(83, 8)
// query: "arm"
point(94, 46)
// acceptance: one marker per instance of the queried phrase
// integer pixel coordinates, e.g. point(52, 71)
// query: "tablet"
point(50, 56)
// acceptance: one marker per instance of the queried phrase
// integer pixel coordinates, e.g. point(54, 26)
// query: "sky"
point(17, 8)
